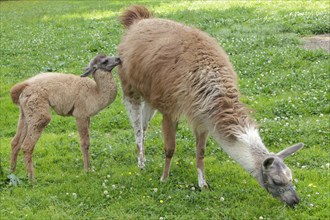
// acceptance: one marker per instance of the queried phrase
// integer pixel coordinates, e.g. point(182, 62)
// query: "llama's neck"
point(246, 149)
point(106, 87)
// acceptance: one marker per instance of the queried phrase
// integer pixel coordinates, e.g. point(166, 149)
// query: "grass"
point(285, 84)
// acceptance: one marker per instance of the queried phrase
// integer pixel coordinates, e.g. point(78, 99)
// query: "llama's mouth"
point(115, 63)
point(112, 64)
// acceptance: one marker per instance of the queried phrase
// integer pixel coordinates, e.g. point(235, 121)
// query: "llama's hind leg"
point(83, 129)
point(134, 109)
point(169, 132)
point(17, 141)
point(201, 137)
point(147, 114)
point(37, 116)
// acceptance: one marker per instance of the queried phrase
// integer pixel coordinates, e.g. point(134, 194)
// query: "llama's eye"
point(277, 182)
point(105, 61)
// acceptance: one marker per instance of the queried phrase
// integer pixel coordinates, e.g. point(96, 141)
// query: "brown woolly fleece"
point(180, 70)
point(68, 95)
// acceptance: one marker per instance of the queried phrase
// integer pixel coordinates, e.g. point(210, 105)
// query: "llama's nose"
point(292, 201)
point(117, 60)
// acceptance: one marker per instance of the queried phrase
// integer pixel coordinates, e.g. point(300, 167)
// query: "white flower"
point(74, 195)
point(155, 189)
point(106, 192)
point(222, 199)
point(113, 186)
point(261, 217)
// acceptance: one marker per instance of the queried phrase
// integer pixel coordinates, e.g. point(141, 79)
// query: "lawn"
point(286, 85)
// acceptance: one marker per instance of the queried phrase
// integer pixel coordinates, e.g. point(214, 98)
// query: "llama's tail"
point(133, 14)
point(16, 91)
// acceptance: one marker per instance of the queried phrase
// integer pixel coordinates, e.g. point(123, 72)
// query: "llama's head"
point(277, 177)
point(102, 62)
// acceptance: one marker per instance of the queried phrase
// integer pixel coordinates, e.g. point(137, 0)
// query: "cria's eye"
point(105, 61)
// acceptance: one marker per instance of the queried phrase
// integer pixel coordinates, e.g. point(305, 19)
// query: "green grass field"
point(286, 85)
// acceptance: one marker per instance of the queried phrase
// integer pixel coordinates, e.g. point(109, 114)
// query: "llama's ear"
point(290, 150)
point(89, 70)
point(268, 162)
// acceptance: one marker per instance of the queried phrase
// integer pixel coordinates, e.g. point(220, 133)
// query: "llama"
point(179, 70)
point(68, 95)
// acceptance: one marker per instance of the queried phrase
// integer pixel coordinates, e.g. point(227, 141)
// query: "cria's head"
point(102, 62)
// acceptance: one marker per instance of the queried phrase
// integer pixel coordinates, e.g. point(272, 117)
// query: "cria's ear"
point(290, 150)
point(268, 162)
point(89, 70)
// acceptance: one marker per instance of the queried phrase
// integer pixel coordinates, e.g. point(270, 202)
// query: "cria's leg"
point(147, 113)
point(134, 109)
point(83, 129)
point(201, 137)
point(37, 116)
point(169, 131)
point(17, 141)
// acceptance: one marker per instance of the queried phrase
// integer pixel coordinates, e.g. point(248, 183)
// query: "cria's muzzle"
point(106, 64)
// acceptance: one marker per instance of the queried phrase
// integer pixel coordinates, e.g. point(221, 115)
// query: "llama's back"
point(174, 67)
point(60, 90)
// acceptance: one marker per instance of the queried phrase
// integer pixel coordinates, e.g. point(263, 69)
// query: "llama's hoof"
point(163, 179)
point(13, 180)
point(204, 186)
point(141, 164)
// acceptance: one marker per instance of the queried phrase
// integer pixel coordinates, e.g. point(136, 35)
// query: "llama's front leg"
point(17, 141)
point(201, 137)
point(83, 129)
point(169, 132)
point(134, 108)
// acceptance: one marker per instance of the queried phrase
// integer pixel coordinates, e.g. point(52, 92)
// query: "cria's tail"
point(16, 91)
point(133, 14)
